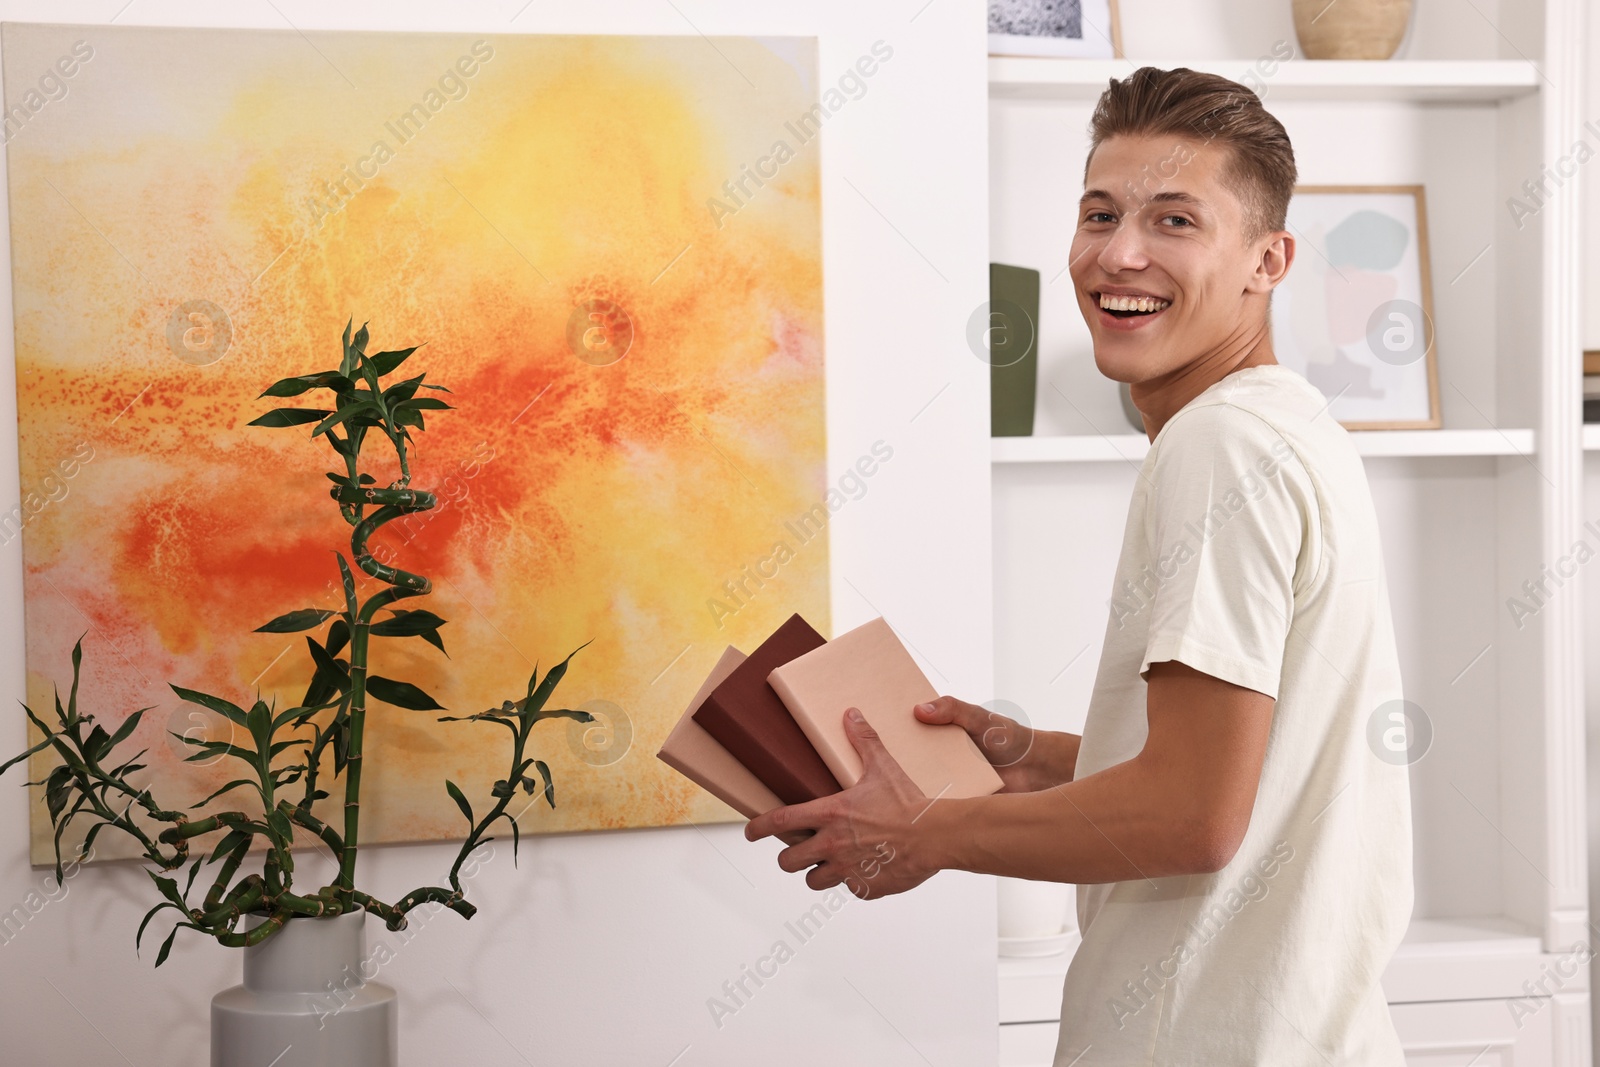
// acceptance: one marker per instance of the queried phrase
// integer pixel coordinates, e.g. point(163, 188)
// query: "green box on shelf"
point(1013, 347)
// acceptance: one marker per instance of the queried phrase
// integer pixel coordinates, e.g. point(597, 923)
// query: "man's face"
point(1157, 222)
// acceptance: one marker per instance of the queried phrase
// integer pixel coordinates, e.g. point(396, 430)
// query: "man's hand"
point(864, 835)
point(1018, 753)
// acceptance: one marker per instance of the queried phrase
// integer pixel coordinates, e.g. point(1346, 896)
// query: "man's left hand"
point(864, 835)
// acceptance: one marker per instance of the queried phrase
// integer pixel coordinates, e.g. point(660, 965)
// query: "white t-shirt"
point(1251, 553)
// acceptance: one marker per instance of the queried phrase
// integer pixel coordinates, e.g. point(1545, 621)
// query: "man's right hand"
point(1007, 744)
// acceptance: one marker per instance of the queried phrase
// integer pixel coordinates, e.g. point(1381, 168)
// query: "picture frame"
point(1354, 315)
point(1080, 29)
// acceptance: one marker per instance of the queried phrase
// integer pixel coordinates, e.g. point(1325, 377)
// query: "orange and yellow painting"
point(609, 250)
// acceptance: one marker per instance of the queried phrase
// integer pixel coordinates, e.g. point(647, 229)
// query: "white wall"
point(604, 947)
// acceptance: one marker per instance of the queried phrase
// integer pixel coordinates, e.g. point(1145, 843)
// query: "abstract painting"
point(609, 248)
point(1354, 315)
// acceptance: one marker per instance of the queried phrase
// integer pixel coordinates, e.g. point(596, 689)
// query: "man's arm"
point(1181, 806)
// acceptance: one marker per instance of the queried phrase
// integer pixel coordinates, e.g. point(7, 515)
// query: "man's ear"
point(1275, 254)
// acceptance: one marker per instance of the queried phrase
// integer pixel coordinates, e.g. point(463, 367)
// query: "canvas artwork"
point(609, 248)
point(1078, 28)
point(1354, 315)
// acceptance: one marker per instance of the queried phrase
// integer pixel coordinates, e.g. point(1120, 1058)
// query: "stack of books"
point(767, 729)
point(1591, 387)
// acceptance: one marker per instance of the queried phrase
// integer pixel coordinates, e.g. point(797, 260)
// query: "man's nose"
point(1124, 247)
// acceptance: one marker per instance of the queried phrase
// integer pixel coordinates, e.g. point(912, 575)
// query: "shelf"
point(1096, 448)
point(1325, 79)
point(1439, 959)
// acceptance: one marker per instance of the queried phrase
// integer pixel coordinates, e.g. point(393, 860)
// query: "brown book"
point(746, 717)
point(1591, 362)
point(698, 756)
point(869, 668)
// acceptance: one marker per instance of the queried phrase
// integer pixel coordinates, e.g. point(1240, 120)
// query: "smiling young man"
point(1241, 841)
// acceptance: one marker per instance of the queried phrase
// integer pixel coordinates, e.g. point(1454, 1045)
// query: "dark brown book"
point(746, 717)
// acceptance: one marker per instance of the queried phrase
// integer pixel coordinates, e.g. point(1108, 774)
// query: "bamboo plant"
point(288, 755)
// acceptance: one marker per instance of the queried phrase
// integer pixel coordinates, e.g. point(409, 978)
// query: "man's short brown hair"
point(1209, 108)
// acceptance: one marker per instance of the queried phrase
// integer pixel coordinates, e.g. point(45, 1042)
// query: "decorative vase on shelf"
point(306, 1001)
point(1009, 341)
point(1350, 29)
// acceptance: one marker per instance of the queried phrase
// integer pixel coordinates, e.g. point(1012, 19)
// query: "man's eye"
point(1096, 215)
point(1180, 218)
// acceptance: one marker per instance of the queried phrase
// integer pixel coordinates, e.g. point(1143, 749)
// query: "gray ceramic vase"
point(308, 1001)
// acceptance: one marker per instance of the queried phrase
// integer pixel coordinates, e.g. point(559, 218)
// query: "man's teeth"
point(1132, 303)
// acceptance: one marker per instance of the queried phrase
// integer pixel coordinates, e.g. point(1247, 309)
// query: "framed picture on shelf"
point(1354, 315)
point(1084, 29)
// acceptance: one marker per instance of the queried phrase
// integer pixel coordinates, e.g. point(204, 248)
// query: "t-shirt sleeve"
point(1231, 506)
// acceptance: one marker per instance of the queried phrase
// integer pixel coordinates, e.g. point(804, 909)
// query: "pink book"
point(870, 669)
point(700, 758)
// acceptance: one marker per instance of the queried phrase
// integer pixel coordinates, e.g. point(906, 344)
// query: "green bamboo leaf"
point(335, 418)
point(401, 694)
point(502, 788)
point(299, 384)
point(432, 637)
point(212, 749)
point(425, 403)
point(235, 784)
point(97, 744)
point(549, 786)
point(230, 711)
point(130, 724)
point(295, 621)
point(56, 791)
point(407, 623)
point(279, 823)
point(328, 667)
point(232, 840)
point(40, 747)
point(259, 723)
point(408, 417)
point(169, 889)
point(72, 701)
point(166, 946)
point(536, 698)
point(288, 417)
point(516, 835)
point(563, 713)
point(461, 801)
point(384, 362)
point(360, 341)
point(151, 914)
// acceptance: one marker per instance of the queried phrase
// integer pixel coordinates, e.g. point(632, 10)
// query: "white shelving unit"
point(1090, 448)
point(1470, 512)
point(1413, 80)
